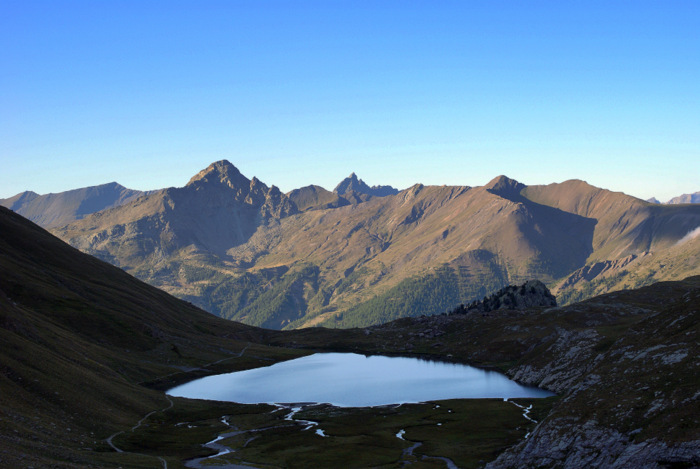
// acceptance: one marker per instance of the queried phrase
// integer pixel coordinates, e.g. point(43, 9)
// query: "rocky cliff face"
point(571, 444)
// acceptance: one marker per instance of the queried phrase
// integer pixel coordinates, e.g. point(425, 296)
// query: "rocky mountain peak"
point(505, 187)
point(220, 173)
point(353, 184)
point(222, 184)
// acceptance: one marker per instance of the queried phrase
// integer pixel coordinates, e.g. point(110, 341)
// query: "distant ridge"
point(693, 198)
point(53, 210)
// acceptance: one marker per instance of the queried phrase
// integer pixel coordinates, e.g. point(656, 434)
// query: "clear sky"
point(296, 92)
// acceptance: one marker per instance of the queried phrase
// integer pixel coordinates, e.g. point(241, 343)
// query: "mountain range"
point(87, 349)
point(361, 255)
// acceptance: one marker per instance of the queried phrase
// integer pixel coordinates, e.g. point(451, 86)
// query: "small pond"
point(352, 380)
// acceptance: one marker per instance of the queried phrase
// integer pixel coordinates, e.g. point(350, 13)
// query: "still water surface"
point(352, 380)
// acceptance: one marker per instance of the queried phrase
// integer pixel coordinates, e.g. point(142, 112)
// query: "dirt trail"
point(199, 368)
point(119, 450)
point(170, 405)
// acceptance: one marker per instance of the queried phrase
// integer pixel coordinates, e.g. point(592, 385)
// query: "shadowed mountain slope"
point(53, 210)
point(635, 243)
point(77, 335)
point(625, 225)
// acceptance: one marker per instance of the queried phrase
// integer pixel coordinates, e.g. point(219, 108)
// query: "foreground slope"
point(77, 335)
point(241, 250)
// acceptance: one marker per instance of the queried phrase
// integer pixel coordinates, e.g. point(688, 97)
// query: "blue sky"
point(147, 93)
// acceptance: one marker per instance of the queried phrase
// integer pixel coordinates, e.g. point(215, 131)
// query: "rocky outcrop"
point(277, 205)
point(566, 443)
point(558, 374)
point(528, 295)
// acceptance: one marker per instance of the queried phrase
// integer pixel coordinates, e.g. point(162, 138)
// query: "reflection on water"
point(352, 380)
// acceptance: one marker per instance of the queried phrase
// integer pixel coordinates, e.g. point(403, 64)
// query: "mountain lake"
point(352, 380)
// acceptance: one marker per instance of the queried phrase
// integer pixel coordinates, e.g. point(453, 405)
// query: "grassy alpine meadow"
point(465, 431)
